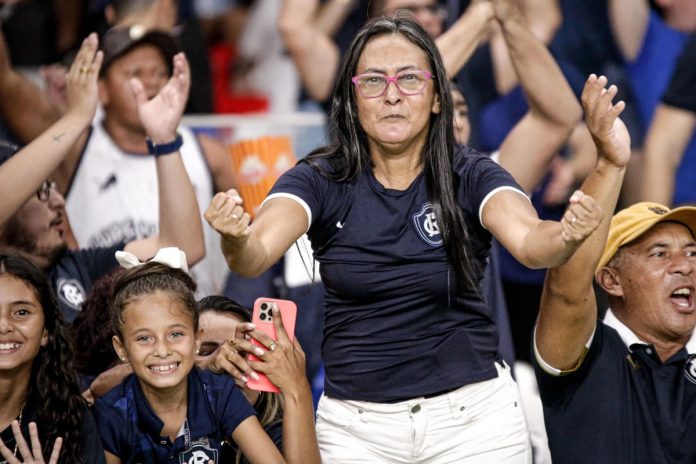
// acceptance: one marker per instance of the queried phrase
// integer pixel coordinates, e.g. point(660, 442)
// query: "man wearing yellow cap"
point(622, 390)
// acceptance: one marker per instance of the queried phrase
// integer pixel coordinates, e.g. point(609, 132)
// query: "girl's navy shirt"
point(130, 429)
point(397, 325)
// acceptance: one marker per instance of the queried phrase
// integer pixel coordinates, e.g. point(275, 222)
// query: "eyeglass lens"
point(374, 85)
point(45, 190)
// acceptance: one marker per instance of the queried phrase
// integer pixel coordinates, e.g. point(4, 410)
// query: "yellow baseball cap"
point(632, 222)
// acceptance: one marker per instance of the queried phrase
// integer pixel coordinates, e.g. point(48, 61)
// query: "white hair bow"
point(170, 256)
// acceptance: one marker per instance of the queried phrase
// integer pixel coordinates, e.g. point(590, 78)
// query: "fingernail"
point(255, 376)
point(245, 379)
point(275, 310)
point(258, 351)
point(250, 326)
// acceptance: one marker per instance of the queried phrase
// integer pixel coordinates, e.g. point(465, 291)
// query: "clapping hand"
point(602, 117)
point(81, 81)
point(160, 116)
point(29, 456)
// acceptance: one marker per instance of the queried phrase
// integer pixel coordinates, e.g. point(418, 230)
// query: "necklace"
point(19, 419)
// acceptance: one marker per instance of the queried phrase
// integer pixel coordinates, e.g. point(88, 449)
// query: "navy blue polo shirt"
point(130, 429)
point(622, 405)
point(76, 272)
point(397, 325)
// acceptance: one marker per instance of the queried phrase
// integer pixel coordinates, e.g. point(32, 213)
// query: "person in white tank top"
point(31, 217)
point(108, 178)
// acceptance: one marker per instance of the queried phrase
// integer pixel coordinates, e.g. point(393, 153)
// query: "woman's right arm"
point(251, 248)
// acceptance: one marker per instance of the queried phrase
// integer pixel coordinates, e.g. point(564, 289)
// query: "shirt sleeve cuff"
point(546, 367)
point(299, 200)
point(493, 192)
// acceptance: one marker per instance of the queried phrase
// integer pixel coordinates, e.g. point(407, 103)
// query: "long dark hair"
point(92, 329)
point(348, 153)
point(53, 382)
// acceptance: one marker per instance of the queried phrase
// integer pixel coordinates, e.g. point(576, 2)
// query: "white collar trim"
point(629, 337)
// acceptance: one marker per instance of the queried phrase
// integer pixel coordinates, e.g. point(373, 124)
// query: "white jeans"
point(478, 423)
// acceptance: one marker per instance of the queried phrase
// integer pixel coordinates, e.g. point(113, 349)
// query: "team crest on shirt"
point(198, 453)
point(426, 225)
point(690, 369)
point(71, 292)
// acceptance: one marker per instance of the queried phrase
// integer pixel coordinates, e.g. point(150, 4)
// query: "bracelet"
point(164, 148)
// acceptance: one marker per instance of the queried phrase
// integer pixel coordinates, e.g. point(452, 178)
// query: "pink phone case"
point(262, 317)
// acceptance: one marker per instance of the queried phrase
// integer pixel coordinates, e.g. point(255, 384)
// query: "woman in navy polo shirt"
point(400, 221)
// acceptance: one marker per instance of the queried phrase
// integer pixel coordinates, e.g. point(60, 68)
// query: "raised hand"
point(602, 117)
point(226, 215)
point(505, 9)
point(81, 81)
point(29, 456)
point(581, 218)
point(161, 115)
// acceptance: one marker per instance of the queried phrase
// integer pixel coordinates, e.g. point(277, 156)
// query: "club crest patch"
point(690, 369)
point(426, 225)
point(71, 292)
point(198, 453)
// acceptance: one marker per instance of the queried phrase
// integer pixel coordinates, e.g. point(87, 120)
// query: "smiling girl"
point(168, 410)
point(37, 382)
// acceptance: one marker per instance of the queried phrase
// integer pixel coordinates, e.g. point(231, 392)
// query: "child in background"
point(168, 410)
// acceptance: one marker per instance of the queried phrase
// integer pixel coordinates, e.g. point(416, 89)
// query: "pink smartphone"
point(262, 318)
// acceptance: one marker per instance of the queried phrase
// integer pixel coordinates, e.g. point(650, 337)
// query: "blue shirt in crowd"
point(622, 405)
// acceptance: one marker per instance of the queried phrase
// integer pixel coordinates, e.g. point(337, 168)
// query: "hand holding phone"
point(265, 310)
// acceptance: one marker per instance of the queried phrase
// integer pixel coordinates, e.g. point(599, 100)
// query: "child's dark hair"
point(223, 304)
point(92, 328)
point(53, 382)
point(147, 279)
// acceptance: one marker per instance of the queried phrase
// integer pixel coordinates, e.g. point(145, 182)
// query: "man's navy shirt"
point(397, 325)
point(622, 405)
point(76, 272)
point(131, 430)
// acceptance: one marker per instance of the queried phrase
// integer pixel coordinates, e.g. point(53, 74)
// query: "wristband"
point(164, 148)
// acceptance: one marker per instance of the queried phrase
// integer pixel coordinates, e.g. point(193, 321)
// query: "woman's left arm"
point(536, 243)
